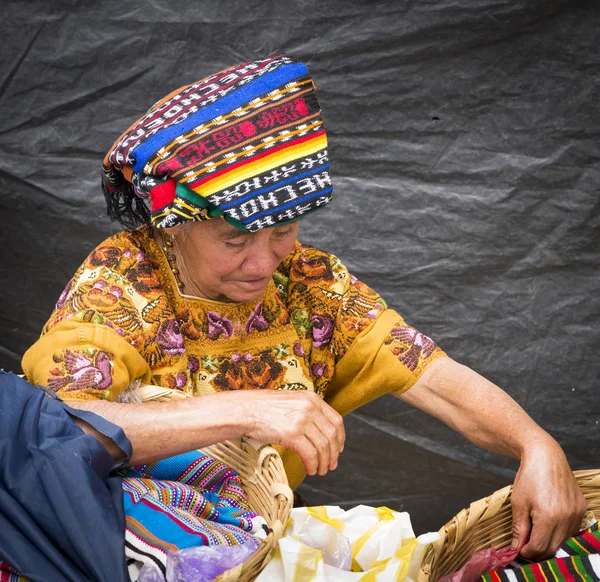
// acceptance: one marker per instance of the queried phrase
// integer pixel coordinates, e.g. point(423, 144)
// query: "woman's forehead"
point(220, 229)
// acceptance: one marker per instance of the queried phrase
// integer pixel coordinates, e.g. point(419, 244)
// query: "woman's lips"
point(255, 282)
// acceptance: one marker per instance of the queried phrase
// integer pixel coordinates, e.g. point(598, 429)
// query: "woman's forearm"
point(477, 408)
point(160, 430)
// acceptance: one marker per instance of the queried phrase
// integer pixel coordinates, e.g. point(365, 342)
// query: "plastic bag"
point(200, 564)
point(336, 547)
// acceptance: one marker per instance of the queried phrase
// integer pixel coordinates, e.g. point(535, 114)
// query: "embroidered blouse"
point(122, 318)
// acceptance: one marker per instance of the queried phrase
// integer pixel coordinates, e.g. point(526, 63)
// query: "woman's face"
point(228, 264)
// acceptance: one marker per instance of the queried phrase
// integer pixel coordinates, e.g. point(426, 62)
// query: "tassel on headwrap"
point(247, 143)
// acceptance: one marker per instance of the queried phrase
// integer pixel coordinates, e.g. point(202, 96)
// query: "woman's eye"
point(284, 233)
point(235, 245)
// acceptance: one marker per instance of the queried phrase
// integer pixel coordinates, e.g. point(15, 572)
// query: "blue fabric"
point(260, 86)
point(61, 510)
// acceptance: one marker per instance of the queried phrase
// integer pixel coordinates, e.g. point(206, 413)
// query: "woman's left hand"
point(548, 505)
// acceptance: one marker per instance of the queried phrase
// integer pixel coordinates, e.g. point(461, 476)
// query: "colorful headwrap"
point(247, 143)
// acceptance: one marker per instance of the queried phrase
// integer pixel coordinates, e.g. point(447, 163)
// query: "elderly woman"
point(210, 293)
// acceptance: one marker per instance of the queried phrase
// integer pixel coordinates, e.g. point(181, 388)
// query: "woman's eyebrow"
point(229, 234)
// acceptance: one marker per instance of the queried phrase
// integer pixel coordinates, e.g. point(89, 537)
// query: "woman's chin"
point(244, 293)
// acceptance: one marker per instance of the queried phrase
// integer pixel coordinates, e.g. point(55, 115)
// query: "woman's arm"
point(547, 503)
point(299, 421)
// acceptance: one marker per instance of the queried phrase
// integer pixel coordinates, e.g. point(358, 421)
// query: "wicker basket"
point(486, 523)
point(264, 480)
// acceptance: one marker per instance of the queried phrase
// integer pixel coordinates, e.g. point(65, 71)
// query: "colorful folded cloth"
point(9, 574)
point(577, 559)
point(182, 502)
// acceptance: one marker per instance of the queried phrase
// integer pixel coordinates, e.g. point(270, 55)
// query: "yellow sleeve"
point(388, 356)
point(84, 361)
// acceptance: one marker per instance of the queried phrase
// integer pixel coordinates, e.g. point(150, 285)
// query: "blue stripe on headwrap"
point(239, 97)
point(288, 205)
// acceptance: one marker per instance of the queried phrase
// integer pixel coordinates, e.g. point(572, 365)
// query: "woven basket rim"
point(487, 522)
point(263, 479)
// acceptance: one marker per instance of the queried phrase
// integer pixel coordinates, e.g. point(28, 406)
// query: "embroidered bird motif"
point(417, 344)
point(83, 373)
point(107, 300)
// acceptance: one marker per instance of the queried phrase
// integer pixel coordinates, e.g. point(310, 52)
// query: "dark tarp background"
point(464, 138)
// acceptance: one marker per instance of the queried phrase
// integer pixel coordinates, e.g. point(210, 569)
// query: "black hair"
point(123, 204)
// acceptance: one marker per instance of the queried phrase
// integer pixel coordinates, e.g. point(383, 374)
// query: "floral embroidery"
point(106, 256)
point(257, 320)
point(248, 372)
point(63, 295)
point(169, 338)
point(193, 364)
point(88, 369)
point(218, 326)
point(318, 369)
point(315, 269)
point(410, 346)
point(322, 330)
point(291, 339)
point(301, 322)
point(281, 351)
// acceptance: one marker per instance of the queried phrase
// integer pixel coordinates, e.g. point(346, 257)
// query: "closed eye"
point(235, 245)
point(283, 233)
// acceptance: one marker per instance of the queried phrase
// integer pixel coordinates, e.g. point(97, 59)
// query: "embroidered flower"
point(322, 330)
point(101, 295)
point(181, 379)
point(256, 320)
point(105, 256)
point(301, 321)
point(249, 372)
point(262, 372)
point(298, 349)
point(356, 324)
point(210, 363)
point(314, 269)
point(230, 375)
point(218, 326)
point(372, 313)
point(318, 369)
point(63, 295)
point(193, 364)
point(169, 337)
point(281, 351)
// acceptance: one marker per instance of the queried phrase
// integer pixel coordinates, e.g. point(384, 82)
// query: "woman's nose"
point(261, 262)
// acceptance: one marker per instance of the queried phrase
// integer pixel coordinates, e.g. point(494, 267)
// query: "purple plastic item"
point(205, 563)
point(200, 564)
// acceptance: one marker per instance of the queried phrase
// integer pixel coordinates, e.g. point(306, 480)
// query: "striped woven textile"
point(578, 559)
point(247, 143)
point(9, 574)
point(185, 501)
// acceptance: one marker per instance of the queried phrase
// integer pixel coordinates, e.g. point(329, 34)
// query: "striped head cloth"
point(247, 144)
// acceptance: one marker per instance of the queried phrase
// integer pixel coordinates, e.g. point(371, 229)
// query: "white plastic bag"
point(335, 546)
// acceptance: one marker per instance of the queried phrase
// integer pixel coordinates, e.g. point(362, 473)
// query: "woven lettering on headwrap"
point(247, 143)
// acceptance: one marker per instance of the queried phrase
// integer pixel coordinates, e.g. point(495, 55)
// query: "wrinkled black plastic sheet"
point(464, 138)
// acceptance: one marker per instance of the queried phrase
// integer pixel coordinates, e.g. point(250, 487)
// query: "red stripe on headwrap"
point(162, 194)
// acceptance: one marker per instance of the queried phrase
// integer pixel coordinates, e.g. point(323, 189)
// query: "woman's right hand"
point(297, 420)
